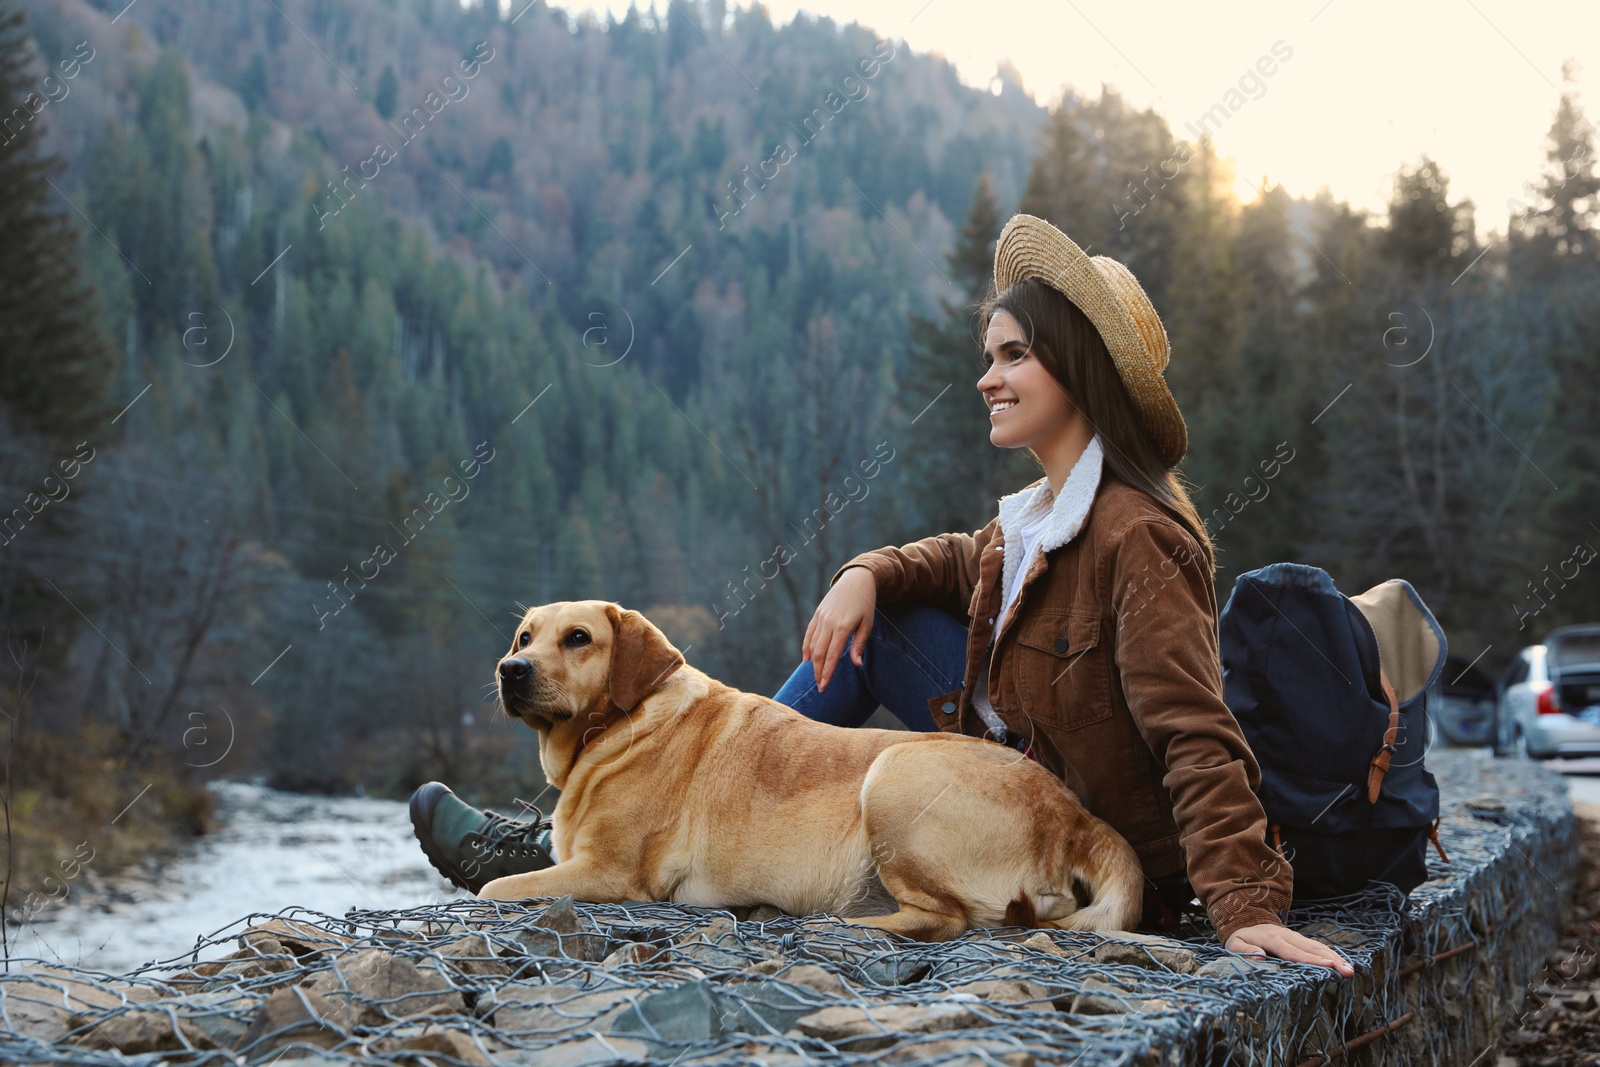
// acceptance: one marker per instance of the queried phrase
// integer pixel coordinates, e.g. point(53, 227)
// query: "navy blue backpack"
point(1331, 693)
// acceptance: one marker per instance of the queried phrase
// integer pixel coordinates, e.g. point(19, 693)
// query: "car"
point(1550, 697)
point(1461, 704)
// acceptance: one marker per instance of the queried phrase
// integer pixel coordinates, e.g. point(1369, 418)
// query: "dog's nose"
point(515, 669)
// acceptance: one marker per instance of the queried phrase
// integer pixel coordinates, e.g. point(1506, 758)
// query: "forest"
point(334, 334)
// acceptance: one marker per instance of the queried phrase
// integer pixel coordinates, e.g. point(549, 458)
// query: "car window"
point(1517, 672)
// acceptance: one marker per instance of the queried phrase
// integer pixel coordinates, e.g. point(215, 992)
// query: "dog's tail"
point(1109, 874)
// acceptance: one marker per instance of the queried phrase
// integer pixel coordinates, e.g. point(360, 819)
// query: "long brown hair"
point(1062, 338)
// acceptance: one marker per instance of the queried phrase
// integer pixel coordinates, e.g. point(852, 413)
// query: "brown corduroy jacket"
point(1108, 662)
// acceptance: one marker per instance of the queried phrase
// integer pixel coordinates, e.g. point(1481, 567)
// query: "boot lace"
point(505, 836)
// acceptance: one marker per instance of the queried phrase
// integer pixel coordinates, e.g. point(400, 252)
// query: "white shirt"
point(1032, 521)
point(1028, 536)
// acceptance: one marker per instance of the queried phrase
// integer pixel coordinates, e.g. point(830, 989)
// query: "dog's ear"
point(641, 656)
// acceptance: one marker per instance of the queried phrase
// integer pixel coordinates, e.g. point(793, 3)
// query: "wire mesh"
point(554, 983)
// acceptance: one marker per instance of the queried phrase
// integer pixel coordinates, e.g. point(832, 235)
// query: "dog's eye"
point(522, 641)
point(577, 637)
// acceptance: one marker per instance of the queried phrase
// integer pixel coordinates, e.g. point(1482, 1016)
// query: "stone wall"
point(579, 984)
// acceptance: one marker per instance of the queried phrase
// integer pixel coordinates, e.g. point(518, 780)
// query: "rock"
point(1333, 933)
point(779, 1003)
point(1041, 942)
point(1154, 953)
point(698, 1011)
point(382, 986)
point(764, 913)
point(1232, 967)
point(305, 941)
point(763, 968)
point(138, 1031)
point(40, 1002)
point(715, 946)
point(713, 957)
point(712, 932)
point(549, 1010)
point(1009, 991)
point(261, 956)
point(862, 1029)
point(961, 1052)
point(589, 1052)
point(296, 1016)
point(689, 1012)
point(470, 957)
point(223, 1015)
point(431, 1041)
point(632, 953)
point(1096, 996)
point(560, 917)
point(836, 927)
point(537, 941)
point(802, 974)
point(560, 931)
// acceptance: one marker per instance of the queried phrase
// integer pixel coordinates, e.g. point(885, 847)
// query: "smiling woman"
point(1125, 707)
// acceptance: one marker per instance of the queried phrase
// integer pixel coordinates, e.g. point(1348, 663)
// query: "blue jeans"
point(914, 653)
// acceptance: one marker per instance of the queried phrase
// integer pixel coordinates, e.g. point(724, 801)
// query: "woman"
point(1093, 622)
point(1078, 626)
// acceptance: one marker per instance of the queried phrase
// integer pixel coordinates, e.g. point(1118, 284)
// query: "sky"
point(1368, 87)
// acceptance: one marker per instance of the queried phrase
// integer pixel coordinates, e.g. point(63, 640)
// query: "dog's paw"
point(502, 889)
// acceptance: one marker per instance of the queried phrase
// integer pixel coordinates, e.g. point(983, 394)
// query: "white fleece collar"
point(1067, 511)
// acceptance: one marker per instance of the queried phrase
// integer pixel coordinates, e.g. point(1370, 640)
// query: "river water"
point(271, 851)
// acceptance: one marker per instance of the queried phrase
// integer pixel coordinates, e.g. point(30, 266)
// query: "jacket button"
point(1061, 644)
point(947, 707)
point(991, 622)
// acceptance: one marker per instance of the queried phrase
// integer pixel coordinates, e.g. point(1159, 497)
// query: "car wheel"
point(1523, 752)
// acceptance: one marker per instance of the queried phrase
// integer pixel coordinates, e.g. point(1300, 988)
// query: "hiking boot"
point(472, 847)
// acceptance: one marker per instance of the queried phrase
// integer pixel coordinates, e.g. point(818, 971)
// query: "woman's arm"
point(1166, 652)
point(941, 570)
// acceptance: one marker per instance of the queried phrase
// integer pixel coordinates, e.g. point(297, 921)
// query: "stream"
point(270, 851)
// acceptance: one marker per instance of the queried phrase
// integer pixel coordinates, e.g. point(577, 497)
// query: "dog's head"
point(578, 659)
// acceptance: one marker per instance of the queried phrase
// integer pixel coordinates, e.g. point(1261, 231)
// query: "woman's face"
point(1028, 408)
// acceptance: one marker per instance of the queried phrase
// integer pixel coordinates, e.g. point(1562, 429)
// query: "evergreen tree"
point(1554, 258)
point(53, 363)
point(388, 93)
point(1559, 227)
point(956, 475)
point(1428, 237)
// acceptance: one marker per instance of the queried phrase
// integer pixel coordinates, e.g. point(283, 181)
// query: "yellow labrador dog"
point(675, 787)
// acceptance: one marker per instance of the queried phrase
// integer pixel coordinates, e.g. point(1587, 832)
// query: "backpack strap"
point(1433, 835)
point(1380, 763)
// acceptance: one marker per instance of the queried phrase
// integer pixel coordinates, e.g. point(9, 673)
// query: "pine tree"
point(1559, 227)
point(53, 362)
point(956, 475)
point(388, 92)
point(1428, 237)
point(1555, 259)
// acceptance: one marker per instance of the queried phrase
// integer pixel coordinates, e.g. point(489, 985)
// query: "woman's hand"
point(1271, 939)
point(847, 609)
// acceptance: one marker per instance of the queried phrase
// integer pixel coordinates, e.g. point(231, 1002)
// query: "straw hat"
point(1107, 292)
